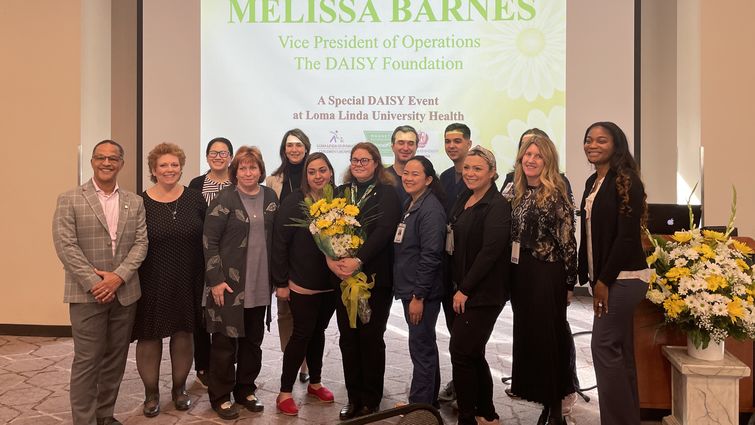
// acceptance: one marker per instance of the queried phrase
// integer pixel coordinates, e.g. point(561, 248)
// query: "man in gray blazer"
point(100, 236)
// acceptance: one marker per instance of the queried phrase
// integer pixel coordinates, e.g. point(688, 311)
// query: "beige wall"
point(40, 119)
point(727, 94)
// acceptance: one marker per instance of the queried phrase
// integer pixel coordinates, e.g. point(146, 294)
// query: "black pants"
point(613, 354)
point(223, 378)
point(472, 380)
point(311, 315)
point(363, 350)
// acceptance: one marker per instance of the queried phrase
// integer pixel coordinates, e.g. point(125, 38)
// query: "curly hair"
point(553, 183)
point(160, 150)
point(625, 167)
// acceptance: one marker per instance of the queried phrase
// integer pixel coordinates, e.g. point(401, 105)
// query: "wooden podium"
point(654, 371)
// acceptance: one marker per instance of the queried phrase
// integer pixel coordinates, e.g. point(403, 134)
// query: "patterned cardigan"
point(225, 241)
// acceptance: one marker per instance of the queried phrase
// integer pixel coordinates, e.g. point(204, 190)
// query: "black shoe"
point(108, 421)
point(226, 410)
point(303, 377)
point(151, 406)
point(448, 393)
point(511, 394)
point(364, 411)
point(181, 399)
point(348, 411)
point(553, 421)
point(203, 377)
point(251, 403)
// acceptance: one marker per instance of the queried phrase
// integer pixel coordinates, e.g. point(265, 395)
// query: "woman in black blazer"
point(363, 347)
point(611, 258)
point(481, 223)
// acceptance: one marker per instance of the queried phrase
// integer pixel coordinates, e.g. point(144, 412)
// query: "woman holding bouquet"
point(481, 224)
point(284, 181)
point(363, 347)
point(611, 258)
point(302, 280)
point(543, 235)
point(418, 254)
point(238, 237)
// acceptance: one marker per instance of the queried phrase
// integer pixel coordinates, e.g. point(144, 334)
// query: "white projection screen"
point(346, 71)
point(208, 71)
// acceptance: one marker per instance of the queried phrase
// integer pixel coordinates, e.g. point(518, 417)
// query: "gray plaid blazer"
point(82, 242)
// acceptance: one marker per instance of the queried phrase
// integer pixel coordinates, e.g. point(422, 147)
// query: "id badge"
point(399, 233)
point(515, 252)
point(449, 239)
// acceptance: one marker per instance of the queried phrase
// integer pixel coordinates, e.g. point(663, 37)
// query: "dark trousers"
point(101, 335)
point(311, 315)
point(423, 350)
point(363, 350)
point(223, 378)
point(201, 337)
point(471, 373)
point(613, 354)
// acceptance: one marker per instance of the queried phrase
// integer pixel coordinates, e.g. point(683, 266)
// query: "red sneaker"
point(288, 407)
point(322, 393)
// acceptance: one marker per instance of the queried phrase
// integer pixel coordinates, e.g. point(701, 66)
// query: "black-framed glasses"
point(222, 154)
point(102, 158)
point(360, 161)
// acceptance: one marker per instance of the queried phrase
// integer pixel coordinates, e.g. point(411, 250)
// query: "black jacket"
point(295, 255)
point(198, 182)
point(377, 252)
point(480, 264)
point(616, 238)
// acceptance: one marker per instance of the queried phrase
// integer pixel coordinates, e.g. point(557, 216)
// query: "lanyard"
point(364, 196)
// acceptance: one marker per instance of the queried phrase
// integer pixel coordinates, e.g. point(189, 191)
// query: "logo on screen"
point(335, 137)
point(423, 138)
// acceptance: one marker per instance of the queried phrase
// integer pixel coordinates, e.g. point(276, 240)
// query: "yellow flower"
point(339, 202)
point(706, 251)
point(314, 209)
point(710, 234)
point(351, 210)
point(742, 247)
point(716, 281)
point(736, 309)
point(750, 300)
point(652, 259)
point(682, 237)
point(677, 272)
point(340, 222)
point(323, 223)
point(325, 207)
point(742, 264)
point(356, 241)
point(674, 306)
point(653, 277)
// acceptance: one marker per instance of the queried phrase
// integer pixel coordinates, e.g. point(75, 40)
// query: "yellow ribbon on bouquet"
point(353, 289)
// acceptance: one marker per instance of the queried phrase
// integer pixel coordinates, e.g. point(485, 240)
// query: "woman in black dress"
point(219, 153)
point(543, 235)
point(363, 347)
point(611, 258)
point(170, 275)
point(302, 280)
point(481, 223)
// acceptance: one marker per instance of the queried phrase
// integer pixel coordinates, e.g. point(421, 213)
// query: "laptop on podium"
point(665, 219)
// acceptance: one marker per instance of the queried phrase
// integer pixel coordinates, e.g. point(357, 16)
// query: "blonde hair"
point(550, 178)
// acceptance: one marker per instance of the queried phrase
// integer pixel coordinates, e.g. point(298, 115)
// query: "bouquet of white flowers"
point(704, 282)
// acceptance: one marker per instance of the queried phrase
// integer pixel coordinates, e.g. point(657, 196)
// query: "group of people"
point(200, 264)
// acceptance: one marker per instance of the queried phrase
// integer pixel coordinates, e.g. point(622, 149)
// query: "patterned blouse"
point(547, 231)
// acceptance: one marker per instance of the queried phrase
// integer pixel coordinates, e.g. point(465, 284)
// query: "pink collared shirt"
point(110, 204)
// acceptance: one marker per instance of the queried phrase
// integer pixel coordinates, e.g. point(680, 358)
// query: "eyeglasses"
point(102, 158)
point(222, 154)
point(360, 161)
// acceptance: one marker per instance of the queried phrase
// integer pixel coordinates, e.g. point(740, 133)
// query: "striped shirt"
point(211, 188)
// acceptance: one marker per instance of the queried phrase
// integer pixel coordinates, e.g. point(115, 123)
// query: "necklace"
point(173, 211)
